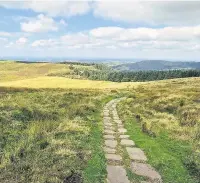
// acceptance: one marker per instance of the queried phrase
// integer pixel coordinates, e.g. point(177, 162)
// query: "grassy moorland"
point(163, 118)
point(51, 124)
point(50, 75)
point(65, 83)
point(11, 71)
point(51, 135)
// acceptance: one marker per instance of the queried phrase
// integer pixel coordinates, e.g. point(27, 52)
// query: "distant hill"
point(156, 65)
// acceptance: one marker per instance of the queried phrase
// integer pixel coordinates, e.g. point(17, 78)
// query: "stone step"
point(136, 154)
point(118, 121)
point(126, 142)
point(109, 137)
point(146, 170)
point(107, 132)
point(109, 150)
point(111, 143)
point(106, 118)
point(109, 128)
point(124, 136)
point(120, 126)
point(117, 174)
point(108, 124)
point(106, 110)
point(114, 157)
point(122, 130)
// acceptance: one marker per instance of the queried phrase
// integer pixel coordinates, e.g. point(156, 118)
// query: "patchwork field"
point(51, 126)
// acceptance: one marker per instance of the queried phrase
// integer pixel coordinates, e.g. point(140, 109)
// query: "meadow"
point(50, 75)
point(51, 136)
point(163, 118)
point(51, 124)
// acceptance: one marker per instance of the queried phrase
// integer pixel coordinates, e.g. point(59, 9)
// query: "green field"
point(51, 126)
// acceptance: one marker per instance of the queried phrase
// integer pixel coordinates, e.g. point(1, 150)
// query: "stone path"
point(116, 138)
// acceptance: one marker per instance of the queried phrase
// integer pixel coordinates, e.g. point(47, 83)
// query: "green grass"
point(154, 129)
point(51, 135)
point(51, 127)
point(164, 154)
point(96, 171)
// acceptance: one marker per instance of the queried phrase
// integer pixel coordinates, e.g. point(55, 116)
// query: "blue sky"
point(100, 29)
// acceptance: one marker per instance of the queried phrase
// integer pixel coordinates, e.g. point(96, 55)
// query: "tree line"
point(104, 73)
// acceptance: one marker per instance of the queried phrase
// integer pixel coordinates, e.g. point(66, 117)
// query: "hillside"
point(53, 124)
point(156, 65)
point(163, 118)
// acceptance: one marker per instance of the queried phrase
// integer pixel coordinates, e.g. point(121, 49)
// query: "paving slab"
point(108, 124)
point(115, 113)
point(109, 150)
point(109, 137)
point(118, 121)
point(146, 170)
point(117, 174)
point(113, 157)
point(107, 121)
point(136, 154)
point(106, 118)
point(124, 136)
point(115, 117)
point(126, 142)
point(120, 126)
point(109, 127)
point(109, 132)
point(105, 110)
point(122, 130)
point(111, 143)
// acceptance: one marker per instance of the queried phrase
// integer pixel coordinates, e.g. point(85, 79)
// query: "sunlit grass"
point(49, 135)
point(11, 71)
point(61, 82)
point(163, 118)
point(52, 127)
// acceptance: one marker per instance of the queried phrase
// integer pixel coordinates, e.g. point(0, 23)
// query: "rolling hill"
point(53, 124)
point(156, 65)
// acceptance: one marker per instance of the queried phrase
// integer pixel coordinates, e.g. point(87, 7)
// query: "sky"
point(100, 29)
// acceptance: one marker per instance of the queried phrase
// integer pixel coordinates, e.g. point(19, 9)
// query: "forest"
point(103, 72)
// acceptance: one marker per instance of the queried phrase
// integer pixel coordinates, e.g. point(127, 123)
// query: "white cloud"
point(50, 7)
point(106, 31)
point(5, 34)
point(22, 41)
point(150, 12)
point(63, 22)
point(19, 43)
point(44, 43)
point(75, 39)
point(10, 44)
point(147, 34)
point(168, 38)
point(41, 23)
